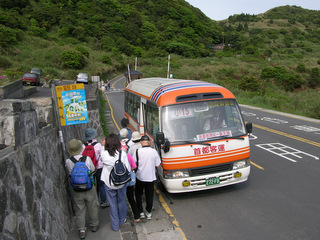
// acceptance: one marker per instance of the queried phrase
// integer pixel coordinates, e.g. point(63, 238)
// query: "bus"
point(197, 129)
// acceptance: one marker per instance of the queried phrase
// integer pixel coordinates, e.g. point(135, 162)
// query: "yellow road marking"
point(256, 165)
point(169, 212)
point(287, 135)
point(117, 81)
point(111, 110)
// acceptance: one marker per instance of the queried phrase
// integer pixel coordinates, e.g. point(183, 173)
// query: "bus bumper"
point(200, 183)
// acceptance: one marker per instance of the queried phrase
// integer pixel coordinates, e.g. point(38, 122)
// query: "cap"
point(123, 133)
point(90, 134)
point(75, 147)
point(145, 138)
point(136, 136)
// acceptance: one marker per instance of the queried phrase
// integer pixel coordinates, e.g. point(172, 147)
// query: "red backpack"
point(89, 151)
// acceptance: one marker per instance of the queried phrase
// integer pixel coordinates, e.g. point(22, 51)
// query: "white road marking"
point(285, 151)
point(248, 114)
point(274, 120)
point(306, 128)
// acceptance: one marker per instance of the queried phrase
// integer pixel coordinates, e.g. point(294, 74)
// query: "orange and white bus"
point(197, 129)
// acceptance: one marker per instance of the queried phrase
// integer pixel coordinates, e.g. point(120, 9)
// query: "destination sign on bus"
point(182, 111)
point(205, 136)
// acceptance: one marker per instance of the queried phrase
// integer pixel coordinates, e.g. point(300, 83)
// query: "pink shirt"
point(131, 161)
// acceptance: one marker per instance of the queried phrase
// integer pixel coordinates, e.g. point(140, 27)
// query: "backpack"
point(81, 177)
point(119, 174)
point(89, 151)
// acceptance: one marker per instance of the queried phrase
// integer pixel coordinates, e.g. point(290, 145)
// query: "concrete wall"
point(35, 202)
point(12, 90)
point(15, 90)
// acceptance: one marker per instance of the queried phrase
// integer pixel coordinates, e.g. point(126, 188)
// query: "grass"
point(228, 71)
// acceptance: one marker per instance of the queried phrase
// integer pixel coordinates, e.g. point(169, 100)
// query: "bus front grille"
point(210, 169)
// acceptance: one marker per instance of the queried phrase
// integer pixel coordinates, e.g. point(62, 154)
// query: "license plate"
point(212, 181)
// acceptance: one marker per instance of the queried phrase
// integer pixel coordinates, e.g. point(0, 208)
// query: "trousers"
point(148, 188)
point(89, 200)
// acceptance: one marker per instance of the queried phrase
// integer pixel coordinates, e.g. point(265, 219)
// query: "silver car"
point(82, 78)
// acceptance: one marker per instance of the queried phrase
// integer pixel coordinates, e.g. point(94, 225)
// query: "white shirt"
point(134, 147)
point(148, 161)
point(108, 163)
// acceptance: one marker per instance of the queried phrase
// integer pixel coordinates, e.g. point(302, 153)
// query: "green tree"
point(72, 59)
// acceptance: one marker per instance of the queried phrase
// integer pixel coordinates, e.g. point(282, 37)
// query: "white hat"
point(136, 136)
point(124, 133)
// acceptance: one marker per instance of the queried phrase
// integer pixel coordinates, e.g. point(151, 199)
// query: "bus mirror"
point(249, 127)
point(160, 138)
point(166, 146)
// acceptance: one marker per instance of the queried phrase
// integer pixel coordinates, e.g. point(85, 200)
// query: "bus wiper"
point(193, 142)
point(226, 137)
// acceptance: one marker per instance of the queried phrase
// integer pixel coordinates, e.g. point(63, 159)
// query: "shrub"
point(301, 68)
point(12, 74)
point(106, 59)
point(82, 50)
point(314, 79)
point(288, 80)
point(9, 36)
point(72, 59)
point(5, 62)
point(250, 83)
point(181, 49)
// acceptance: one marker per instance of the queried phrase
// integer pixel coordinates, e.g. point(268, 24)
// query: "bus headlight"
point(169, 174)
point(239, 164)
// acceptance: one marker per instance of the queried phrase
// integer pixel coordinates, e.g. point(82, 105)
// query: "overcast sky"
point(219, 10)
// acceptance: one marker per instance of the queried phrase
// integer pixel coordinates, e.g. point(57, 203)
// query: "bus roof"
point(166, 91)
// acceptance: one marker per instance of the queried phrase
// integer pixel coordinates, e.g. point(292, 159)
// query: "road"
point(281, 198)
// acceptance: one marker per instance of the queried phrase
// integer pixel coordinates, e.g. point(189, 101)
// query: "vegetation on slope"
point(269, 60)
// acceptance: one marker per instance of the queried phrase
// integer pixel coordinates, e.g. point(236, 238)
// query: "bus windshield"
point(202, 121)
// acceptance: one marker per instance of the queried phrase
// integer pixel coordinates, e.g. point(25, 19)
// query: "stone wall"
point(35, 201)
point(12, 90)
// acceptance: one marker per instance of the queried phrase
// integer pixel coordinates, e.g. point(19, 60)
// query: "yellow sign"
point(72, 104)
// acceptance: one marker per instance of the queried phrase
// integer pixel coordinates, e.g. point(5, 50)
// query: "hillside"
point(266, 57)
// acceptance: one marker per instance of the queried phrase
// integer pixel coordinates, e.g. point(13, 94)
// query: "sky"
point(222, 9)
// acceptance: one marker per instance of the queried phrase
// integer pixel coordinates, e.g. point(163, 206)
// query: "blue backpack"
point(119, 174)
point(81, 176)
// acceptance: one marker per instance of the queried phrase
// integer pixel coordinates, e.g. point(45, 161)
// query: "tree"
point(72, 59)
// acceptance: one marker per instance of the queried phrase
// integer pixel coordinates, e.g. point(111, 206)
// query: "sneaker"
point(142, 215)
point(149, 215)
point(82, 234)
point(94, 228)
point(104, 205)
point(137, 220)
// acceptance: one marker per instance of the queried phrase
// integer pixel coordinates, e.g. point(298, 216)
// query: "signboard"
point(205, 136)
point(72, 104)
point(180, 112)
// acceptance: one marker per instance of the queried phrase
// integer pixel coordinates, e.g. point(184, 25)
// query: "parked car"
point(37, 71)
point(31, 78)
point(82, 78)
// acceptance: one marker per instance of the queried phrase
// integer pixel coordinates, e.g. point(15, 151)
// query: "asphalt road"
point(281, 198)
